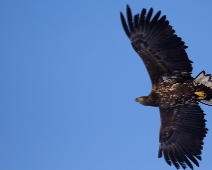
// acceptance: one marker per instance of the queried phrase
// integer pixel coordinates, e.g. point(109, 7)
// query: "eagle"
point(174, 90)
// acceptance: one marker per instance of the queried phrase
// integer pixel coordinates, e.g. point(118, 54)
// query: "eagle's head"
point(146, 100)
point(143, 100)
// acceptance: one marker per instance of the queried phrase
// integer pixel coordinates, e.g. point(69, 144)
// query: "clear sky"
point(69, 77)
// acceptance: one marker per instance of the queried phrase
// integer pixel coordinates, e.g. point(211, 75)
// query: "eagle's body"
point(171, 93)
point(174, 90)
point(167, 94)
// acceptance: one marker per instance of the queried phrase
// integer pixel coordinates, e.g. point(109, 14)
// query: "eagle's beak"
point(139, 99)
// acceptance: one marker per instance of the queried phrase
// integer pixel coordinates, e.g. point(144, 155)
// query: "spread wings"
point(181, 134)
point(162, 51)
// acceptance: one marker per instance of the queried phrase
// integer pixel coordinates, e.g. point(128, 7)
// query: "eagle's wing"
point(181, 134)
point(162, 51)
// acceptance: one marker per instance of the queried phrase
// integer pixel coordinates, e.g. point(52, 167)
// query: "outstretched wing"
point(162, 51)
point(181, 134)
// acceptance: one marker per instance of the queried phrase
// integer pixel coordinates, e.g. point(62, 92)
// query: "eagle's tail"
point(204, 79)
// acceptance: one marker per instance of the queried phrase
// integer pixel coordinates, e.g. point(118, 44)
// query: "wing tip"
point(124, 25)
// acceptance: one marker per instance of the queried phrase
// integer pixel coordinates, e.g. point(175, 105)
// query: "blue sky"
point(69, 77)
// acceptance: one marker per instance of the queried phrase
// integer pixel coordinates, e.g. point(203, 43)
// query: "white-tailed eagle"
point(174, 90)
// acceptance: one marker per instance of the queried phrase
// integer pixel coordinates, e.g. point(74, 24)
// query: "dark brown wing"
point(162, 51)
point(181, 134)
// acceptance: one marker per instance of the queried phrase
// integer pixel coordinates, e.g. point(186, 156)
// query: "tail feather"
point(204, 79)
point(207, 102)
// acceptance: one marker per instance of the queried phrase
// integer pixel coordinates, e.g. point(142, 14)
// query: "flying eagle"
point(174, 90)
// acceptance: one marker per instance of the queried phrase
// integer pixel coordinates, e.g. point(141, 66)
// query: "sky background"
point(69, 77)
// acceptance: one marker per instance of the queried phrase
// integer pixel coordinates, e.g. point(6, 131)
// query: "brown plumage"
point(174, 90)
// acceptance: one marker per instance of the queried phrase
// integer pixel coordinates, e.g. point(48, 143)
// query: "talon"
point(201, 94)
